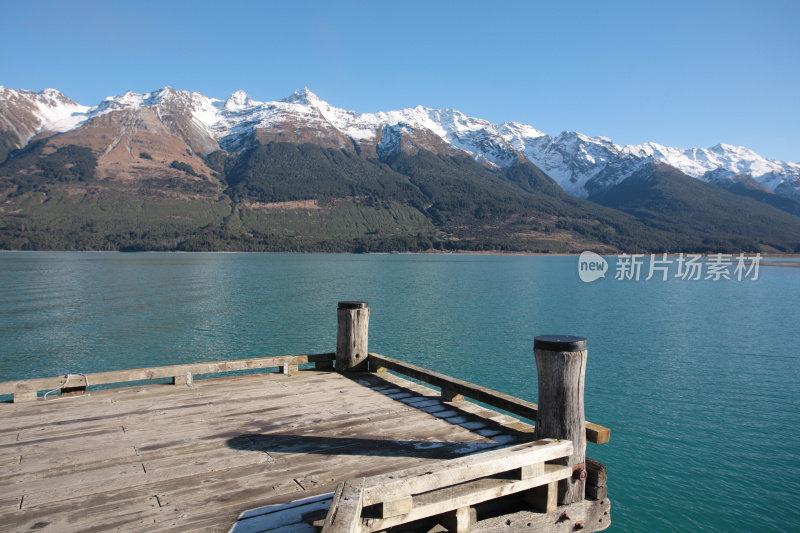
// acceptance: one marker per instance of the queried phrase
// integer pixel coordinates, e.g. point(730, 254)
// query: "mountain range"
point(179, 170)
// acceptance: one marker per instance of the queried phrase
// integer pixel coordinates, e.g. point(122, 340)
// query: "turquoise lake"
point(698, 380)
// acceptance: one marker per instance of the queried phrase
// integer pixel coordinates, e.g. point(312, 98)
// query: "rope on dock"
point(66, 380)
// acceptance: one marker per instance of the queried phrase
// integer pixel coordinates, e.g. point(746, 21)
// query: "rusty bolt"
point(579, 471)
point(579, 524)
point(564, 516)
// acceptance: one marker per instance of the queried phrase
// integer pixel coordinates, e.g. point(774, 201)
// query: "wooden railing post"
point(25, 395)
point(351, 338)
point(561, 369)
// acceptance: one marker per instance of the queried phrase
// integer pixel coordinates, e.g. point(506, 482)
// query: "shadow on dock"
point(310, 444)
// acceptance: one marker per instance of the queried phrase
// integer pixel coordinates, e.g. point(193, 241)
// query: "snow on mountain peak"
point(121, 101)
point(711, 163)
point(303, 96)
point(513, 129)
point(239, 101)
point(722, 147)
point(578, 162)
point(49, 108)
point(52, 93)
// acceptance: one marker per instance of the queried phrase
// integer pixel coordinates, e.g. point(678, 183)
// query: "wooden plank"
point(106, 512)
point(67, 446)
point(330, 518)
point(529, 471)
point(10, 461)
point(75, 441)
point(344, 515)
point(207, 496)
point(396, 507)
point(465, 495)
point(395, 485)
point(594, 432)
point(9, 437)
point(38, 466)
point(10, 504)
point(597, 434)
point(61, 487)
point(137, 374)
point(169, 468)
point(47, 432)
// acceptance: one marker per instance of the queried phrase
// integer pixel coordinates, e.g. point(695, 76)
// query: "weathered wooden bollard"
point(561, 369)
point(351, 338)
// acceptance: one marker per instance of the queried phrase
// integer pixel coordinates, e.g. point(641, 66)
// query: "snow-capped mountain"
point(23, 114)
point(581, 164)
point(725, 162)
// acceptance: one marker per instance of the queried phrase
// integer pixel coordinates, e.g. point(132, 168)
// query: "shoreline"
point(436, 252)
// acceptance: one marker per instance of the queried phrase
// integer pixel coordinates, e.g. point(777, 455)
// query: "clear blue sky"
point(688, 74)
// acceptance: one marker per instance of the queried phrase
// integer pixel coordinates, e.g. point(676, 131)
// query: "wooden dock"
point(197, 455)
point(179, 458)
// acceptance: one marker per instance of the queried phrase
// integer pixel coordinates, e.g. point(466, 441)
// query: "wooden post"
point(596, 479)
point(451, 395)
point(460, 521)
point(290, 369)
point(24, 395)
point(183, 379)
point(544, 498)
point(561, 369)
point(351, 338)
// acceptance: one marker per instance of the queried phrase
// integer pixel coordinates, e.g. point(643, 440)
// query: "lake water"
point(698, 380)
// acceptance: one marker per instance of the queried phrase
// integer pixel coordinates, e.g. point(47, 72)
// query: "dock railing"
point(28, 389)
point(561, 371)
point(450, 488)
point(457, 389)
